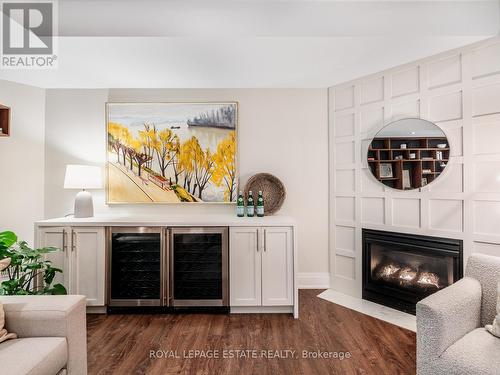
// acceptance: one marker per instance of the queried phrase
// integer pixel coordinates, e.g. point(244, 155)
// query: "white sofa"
point(52, 335)
point(451, 339)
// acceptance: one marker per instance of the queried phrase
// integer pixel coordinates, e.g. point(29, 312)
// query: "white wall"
point(21, 159)
point(460, 91)
point(281, 131)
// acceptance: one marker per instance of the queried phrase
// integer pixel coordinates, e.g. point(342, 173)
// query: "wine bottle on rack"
point(260, 205)
point(240, 205)
point(250, 205)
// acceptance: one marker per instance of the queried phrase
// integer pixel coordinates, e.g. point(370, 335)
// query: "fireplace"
point(401, 269)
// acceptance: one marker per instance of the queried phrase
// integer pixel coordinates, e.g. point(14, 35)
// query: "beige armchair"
point(451, 339)
point(52, 335)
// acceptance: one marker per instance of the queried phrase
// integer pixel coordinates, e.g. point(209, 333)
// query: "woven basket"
point(272, 188)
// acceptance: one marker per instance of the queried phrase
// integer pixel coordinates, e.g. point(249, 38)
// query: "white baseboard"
point(262, 310)
point(314, 280)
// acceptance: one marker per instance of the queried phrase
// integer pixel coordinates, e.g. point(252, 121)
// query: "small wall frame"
point(4, 121)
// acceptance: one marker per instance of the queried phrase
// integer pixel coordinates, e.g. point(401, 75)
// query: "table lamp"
point(83, 177)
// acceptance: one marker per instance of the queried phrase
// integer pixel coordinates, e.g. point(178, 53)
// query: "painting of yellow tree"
point(171, 152)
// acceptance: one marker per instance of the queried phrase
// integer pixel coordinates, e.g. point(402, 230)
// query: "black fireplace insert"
point(400, 269)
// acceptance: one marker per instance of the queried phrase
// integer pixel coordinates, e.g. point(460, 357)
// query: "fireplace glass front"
point(400, 269)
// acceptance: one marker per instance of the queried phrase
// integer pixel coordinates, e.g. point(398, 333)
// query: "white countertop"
point(164, 221)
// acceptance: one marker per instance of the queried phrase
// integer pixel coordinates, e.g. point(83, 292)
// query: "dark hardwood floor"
point(121, 344)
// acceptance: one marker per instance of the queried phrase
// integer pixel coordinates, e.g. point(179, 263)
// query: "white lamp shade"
point(83, 177)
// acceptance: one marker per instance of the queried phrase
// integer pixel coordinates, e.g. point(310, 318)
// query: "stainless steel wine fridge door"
point(138, 266)
point(199, 273)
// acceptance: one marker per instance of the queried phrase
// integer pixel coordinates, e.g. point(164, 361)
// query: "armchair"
point(451, 338)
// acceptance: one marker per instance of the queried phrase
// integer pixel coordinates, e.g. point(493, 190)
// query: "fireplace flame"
point(389, 270)
point(428, 278)
point(407, 276)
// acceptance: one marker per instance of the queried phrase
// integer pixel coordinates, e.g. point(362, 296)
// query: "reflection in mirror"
point(408, 154)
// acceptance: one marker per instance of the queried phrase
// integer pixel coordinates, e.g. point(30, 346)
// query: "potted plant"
point(25, 270)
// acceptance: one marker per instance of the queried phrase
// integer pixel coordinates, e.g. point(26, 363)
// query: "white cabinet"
point(88, 264)
point(277, 267)
point(57, 237)
point(244, 267)
point(82, 259)
point(261, 266)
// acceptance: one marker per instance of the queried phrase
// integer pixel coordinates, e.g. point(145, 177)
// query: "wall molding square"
point(405, 82)
point(486, 214)
point(345, 125)
point(445, 72)
point(344, 98)
point(406, 212)
point(446, 107)
point(485, 100)
point(344, 152)
point(345, 267)
point(346, 208)
point(373, 210)
point(372, 91)
point(345, 181)
point(485, 61)
point(485, 135)
point(446, 214)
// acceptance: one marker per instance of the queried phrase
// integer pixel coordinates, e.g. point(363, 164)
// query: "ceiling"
point(226, 44)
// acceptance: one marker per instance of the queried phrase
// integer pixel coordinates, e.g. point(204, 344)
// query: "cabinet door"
point(88, 264)
point(244, 267)
point(58, 237)
point(277, 267)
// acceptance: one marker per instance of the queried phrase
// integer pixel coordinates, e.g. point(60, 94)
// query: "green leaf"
point(49, 275)
point(59, 289)
point(10, 287)
point(27, 264)
point(45, 250)
point(8, 238)
point(34, 266)
point(4, 251)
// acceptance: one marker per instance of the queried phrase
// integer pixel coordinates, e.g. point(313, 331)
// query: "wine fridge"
point(198, 266)
point(137, 267)
point(180, 267)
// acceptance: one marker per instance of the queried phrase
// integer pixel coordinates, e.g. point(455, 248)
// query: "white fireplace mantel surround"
point(458, 90)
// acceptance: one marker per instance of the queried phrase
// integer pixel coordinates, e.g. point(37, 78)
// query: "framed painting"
point(171, 152)
point(385, 170)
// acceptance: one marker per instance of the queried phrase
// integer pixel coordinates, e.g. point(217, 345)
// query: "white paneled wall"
point(460, 91)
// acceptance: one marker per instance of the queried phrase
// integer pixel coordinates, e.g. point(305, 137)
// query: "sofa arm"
point(51, 316)
point(446, 316)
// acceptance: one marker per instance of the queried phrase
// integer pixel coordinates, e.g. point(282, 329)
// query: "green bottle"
point(240, 206)
point(250, 205)
point(260, 205)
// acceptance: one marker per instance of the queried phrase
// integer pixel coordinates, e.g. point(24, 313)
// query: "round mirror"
point(408, 154)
